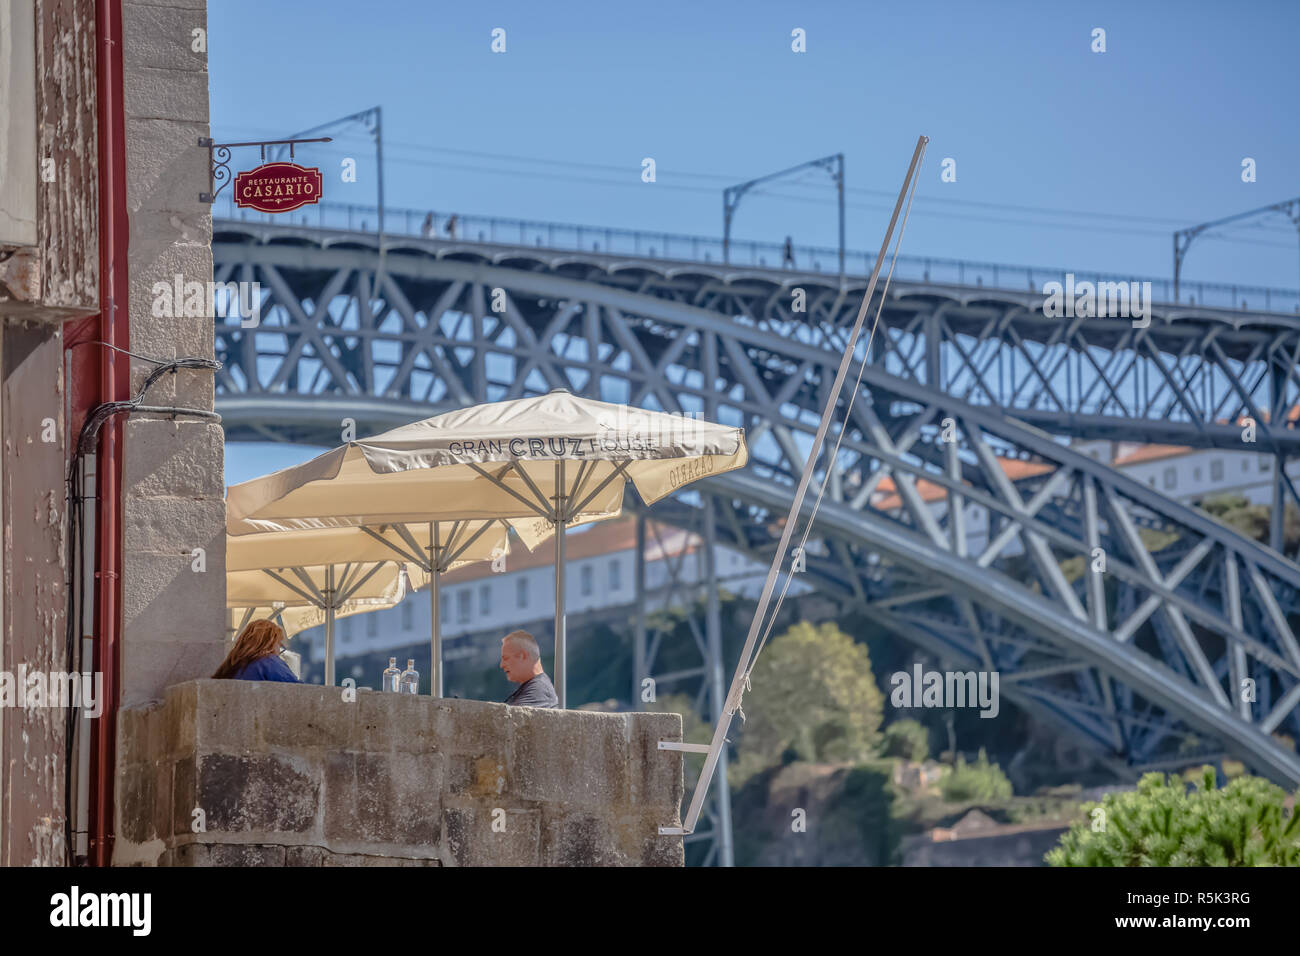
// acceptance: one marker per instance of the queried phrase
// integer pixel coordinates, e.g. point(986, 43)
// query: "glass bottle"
point(391, 675)
point(410, 679)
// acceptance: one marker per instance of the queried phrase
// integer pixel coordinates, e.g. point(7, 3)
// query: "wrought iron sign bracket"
point(219, 160)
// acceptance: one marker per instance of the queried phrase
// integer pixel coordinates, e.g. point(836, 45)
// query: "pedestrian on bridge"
point(789, 253)
point(429, 229)
point(451, 226)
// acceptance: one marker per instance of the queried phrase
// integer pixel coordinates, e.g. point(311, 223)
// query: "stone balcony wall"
point(240, 773)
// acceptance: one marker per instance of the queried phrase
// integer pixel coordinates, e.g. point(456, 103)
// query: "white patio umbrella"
point(293, 552)
point(304, 596)
point(541, 464)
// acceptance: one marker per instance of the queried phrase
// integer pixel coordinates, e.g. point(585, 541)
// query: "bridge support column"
point(717, 686)
point(1276, 525)
point(690, 588)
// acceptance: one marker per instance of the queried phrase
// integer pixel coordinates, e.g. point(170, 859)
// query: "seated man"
point(522, 662)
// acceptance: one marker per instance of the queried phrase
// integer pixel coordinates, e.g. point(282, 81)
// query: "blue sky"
point(1064, 157)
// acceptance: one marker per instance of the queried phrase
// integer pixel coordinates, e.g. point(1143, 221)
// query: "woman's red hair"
point(258, 639)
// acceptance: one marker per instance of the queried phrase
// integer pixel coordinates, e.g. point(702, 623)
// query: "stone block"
point(484, 776)
point(368, 859)
point(150, 667)
point(405, 722)
point(191, 854)
point(391, 798)
point(639, 842)
point(303, 855)
point(183, 4)
point(226, 718)
point(185, 797)
point(547, 745)
point(260, 793)
point(134, 746)
point(173, 526)
point(245, 854)
point(164, 94)
point(472, 727)
point(314, 718)
point(156, 262)
point(577, 838)
point(136, 799)
point(178, 737)
point(654, 775)
point(470, 838)
point(175, 459)
point(162, 37)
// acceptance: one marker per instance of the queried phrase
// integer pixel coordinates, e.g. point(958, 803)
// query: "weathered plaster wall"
point(294, 775)
point(58, 278)
point(173, 473)
point(32, 739)
point(41, 286)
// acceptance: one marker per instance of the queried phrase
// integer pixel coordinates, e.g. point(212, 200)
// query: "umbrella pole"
point(329, 625)
point(561, 670)
point(435, 646)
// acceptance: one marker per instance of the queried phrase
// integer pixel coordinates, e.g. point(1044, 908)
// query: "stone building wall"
point(286, 774)
point(173, 482)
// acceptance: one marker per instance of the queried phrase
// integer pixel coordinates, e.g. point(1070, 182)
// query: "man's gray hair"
point(525, 642)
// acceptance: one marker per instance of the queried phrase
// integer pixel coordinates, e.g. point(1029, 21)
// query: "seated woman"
point(256, 655)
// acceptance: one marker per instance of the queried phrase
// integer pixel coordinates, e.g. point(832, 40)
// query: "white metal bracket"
point(673, 831)
point(688, 748)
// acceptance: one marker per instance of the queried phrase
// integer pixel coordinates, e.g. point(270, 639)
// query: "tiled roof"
point(603, 537)
point(887, 498)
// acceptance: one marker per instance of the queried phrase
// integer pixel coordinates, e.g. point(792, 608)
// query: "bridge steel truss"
point(1141, 626)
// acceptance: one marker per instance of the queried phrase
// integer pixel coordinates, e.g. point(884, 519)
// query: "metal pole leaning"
point(760, 613)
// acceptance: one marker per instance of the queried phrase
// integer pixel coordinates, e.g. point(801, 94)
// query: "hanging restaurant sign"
point(278, 187)
point(271, 187)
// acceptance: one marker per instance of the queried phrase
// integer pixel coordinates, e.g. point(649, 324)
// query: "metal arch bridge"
point(986, 554)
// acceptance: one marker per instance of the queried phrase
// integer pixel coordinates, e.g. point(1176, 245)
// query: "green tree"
point(980, 781)
point(1253, 520)
point(813, 698)
point(1161, 823)
point(909, 739)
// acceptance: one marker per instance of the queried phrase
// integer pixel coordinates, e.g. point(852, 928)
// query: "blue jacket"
point(269, 667)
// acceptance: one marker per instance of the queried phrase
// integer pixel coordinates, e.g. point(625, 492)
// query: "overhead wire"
point(808, 182)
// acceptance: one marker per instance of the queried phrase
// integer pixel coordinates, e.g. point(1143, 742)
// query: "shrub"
point(1162, 823)
point(979, 782)
point(909, 739)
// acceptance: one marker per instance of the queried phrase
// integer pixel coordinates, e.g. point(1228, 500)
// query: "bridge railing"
point(600, 240)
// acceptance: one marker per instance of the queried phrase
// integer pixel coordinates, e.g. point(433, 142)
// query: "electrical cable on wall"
point(74, 506)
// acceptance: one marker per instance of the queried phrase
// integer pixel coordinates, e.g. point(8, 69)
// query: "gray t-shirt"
point(537, 691)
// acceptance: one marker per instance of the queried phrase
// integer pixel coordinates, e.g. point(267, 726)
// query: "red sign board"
point(278, 187)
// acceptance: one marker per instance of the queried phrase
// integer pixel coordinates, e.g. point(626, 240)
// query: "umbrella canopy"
point(278, 562)
point(304, 596)
point(461, 465)
point(541, 464)
point(294, 620)
point(481, 540)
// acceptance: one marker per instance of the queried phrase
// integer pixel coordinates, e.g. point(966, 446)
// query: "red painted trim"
point(114, 385)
